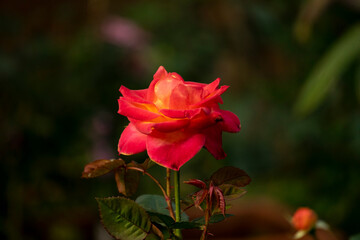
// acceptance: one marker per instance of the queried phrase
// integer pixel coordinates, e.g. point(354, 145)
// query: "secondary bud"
point(304, 219)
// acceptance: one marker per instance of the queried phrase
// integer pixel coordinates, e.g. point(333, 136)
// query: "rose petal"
point(214, 96)
point(143, 127)
point(177, 76)
point(180, 113)
point(136, 110)
point(162, 125)
point(209, 88)
point(171, 126)
point(163, 90)
point(185, 95)
point(131, 141)
point(205, 119)
point(172, 150)
point(134, 95)
point(231, 122)
point(179, 97)
point(160, 73)
point(213, 142)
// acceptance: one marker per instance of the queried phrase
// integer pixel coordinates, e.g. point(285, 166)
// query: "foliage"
point(150, 217)
point(58, 89)
point(328, 71)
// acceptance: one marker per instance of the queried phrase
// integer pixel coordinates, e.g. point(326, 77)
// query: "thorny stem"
point(177, 201)
point(168, 184)
point(167, 198)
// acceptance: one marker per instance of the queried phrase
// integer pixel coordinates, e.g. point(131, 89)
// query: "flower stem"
point(167, 197)
point(177, 201)
point(168, 183)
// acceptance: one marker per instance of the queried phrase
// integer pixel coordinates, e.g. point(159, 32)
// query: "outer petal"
point(231, 122)
point(131, 141)
point(205, 120)
point(136, 110)
point(209, 88)
point(173, 150)
point(134, 95)
point(213, 142)
point(214, 96)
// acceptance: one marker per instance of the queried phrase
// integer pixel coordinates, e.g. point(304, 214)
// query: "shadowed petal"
point(213, 97)
point(231, 122)
point(213, 142)
point(161, 125)
point(172, 150)
point(209, 88)
point(131, 141)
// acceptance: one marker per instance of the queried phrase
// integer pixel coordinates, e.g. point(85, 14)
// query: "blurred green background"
point(294, 72)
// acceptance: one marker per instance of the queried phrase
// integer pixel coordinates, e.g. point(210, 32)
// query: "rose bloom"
point(174, 119)
point(304, 219)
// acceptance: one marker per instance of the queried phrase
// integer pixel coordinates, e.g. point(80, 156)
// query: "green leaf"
point(231, 176)
point(231, 192)
point(156, 203)
point(127, 181)
point(186, 225)
point(214, 218)
point(152, 236)
point(155, 234)
point(327, 71)
point(123, 218)
point(161, 218)
point(100, 167)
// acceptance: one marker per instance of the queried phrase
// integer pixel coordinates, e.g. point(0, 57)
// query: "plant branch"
point(167, 198)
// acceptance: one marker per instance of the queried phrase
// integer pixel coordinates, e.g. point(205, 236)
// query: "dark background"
point(62, 63)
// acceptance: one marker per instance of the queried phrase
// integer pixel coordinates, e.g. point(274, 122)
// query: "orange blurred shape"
point(304, 219)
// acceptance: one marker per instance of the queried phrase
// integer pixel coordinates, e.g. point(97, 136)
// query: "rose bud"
point(304, 219)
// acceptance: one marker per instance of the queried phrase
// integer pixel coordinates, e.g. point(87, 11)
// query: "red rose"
point(174, 119)
point(304, 219)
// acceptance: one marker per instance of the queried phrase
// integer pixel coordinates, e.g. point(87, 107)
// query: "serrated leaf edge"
point(101, 217)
